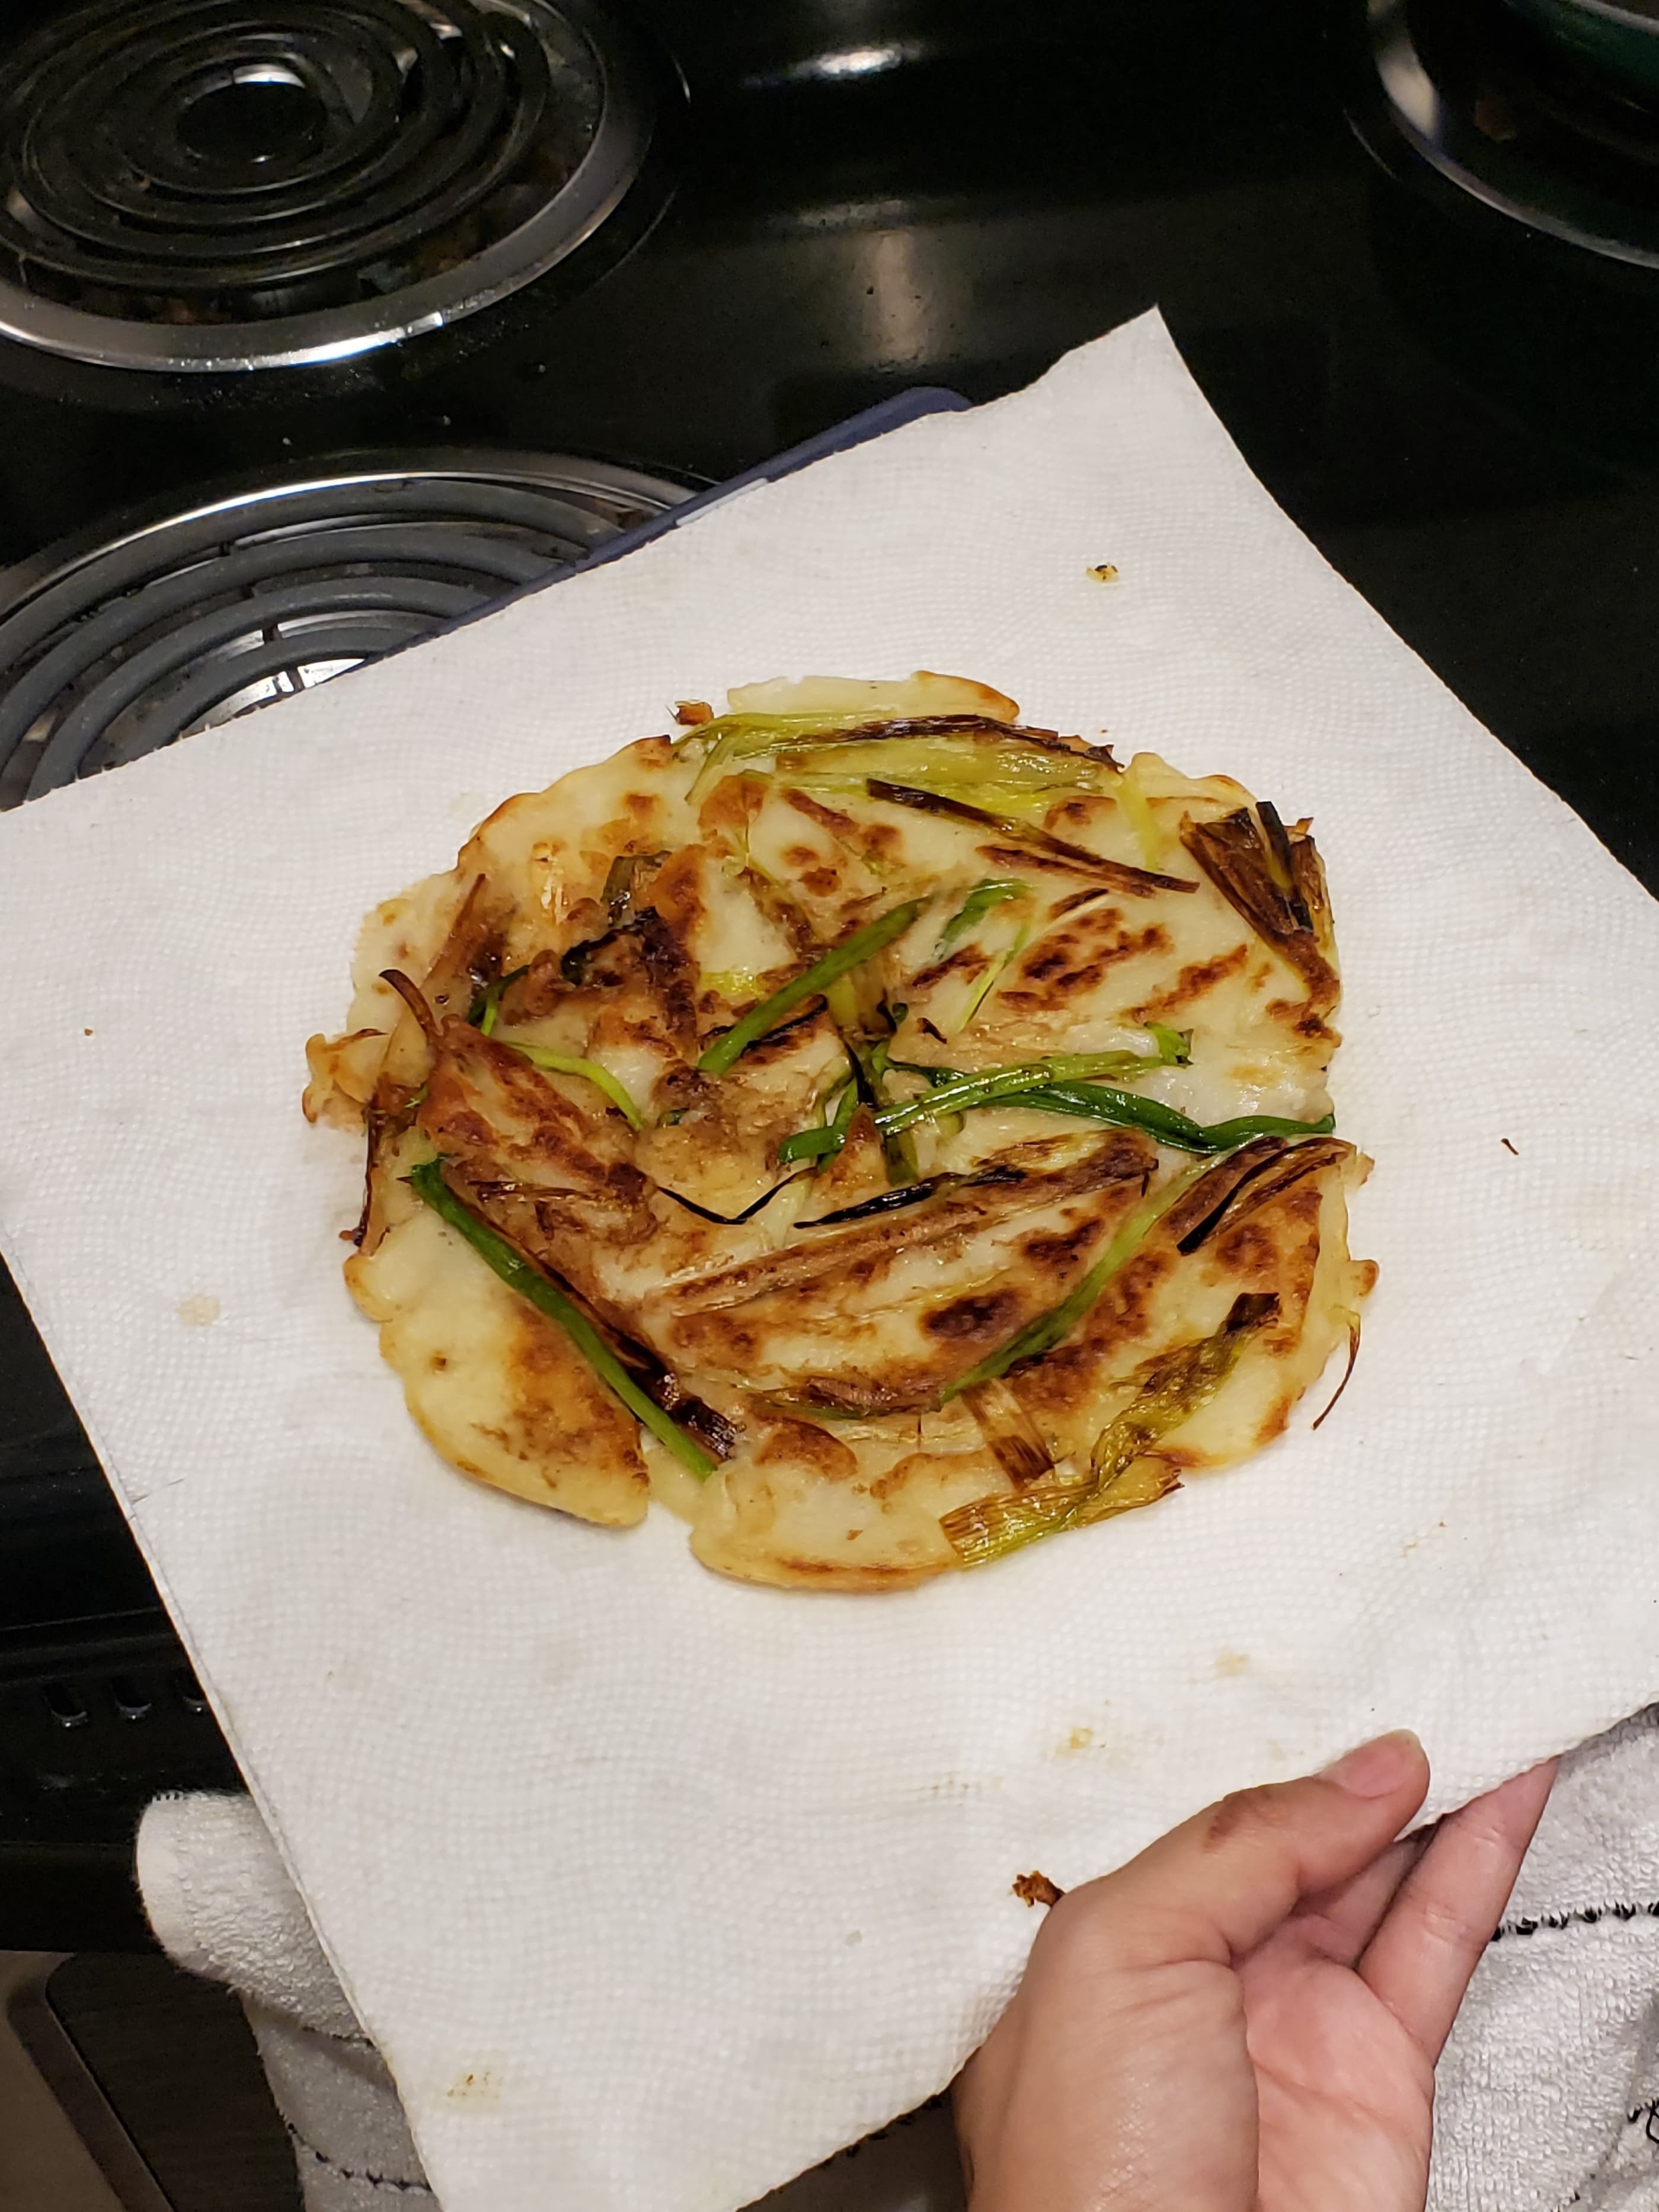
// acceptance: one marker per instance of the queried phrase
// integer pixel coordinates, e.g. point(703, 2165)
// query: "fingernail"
point(1374, 1769)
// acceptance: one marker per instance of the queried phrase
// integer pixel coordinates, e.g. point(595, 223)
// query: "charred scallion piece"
point(1274, 880)
point(725, 1051)
point(810, 1409)
point(1172, 1388)
point(726, 1220)
point(1175, 1383)
point(1260, 1169)
point(1140, 883)
point(1016, 1444)
point(910, 1194)
point(519, 1275)
point(564, 1063)
point(884, 1202)
point(870, 1066)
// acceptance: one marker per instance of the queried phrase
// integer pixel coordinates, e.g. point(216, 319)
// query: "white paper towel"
point(654, 1888)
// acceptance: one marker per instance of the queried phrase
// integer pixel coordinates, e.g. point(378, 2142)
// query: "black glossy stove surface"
point(876, 193)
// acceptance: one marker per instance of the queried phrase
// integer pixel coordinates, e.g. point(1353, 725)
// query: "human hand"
point(1246, 2018)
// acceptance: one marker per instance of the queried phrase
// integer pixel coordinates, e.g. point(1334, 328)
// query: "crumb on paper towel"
point(689, 713)
point(1037, 1889)
point(200, 1311)
point(1105, 572)
point(1080, 1740)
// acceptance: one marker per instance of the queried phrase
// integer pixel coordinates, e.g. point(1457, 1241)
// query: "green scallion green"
point(518, 1274)
point(1007, 769)
point(819, 1144)
point(730, 738)
point(564, 1063)
point(1175, 1046)
point(997, 1085)
point(1043, 1332)
point(726, 1050)
point(985, 894)
point(486, 1007)
point(823, 1144)
point(1059, 1084)
point(1127, 1109)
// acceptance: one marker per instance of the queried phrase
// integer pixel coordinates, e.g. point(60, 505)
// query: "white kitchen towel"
point(1548, 2095)
point(352, 2147)
point(222, 1905)
point(652, 1889)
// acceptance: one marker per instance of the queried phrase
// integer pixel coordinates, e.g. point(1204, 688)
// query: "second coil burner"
point(208, 185)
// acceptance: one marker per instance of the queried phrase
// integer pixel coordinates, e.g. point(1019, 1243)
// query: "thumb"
point(1219, 1883)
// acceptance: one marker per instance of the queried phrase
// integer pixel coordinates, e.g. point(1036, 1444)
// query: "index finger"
point(1217, 1886)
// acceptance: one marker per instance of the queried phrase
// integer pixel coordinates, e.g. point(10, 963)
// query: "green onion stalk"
point(726, 1050)
point(1174, 1386)
point(519, 1275)
point(990, 891)
point(823, 1143)
point(1059, 1084)
point(1045, 1330)
point(565, 1063)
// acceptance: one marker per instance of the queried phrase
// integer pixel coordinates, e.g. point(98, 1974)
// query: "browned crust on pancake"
point(625, 918)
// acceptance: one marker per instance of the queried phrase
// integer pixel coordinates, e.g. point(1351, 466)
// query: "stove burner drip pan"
point(211, 184)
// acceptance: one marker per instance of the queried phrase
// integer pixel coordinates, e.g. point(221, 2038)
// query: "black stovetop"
point(860, 196)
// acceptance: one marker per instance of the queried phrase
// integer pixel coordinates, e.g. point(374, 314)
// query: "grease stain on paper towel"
point(958, 1786)
point(1231, 1663)
point(478, 2085)
point(1123, 1748)
point(200, 1311)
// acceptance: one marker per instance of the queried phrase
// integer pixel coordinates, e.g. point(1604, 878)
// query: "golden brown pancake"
point(885, 1132)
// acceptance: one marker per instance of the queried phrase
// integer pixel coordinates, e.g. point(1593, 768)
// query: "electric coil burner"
point(206, 185)
point(1466, 94)
point(110, 646)
point(112, 649)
